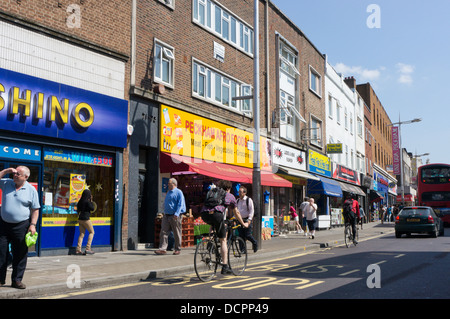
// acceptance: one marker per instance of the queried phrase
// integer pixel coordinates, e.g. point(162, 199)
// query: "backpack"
point(347, 209)
point(215, 197)
point(245, 200)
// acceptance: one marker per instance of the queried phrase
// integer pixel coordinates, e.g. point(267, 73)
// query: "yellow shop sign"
point(186, 134)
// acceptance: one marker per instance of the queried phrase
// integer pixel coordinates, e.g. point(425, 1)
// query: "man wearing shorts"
point(216, 217)
point(311, 216)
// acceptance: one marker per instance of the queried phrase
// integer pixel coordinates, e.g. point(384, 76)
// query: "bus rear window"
point(437, 175)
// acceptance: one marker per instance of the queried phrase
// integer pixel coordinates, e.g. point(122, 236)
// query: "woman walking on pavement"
point(84, 208)
point(295, 217)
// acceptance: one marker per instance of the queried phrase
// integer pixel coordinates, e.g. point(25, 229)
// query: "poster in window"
point(77, 185)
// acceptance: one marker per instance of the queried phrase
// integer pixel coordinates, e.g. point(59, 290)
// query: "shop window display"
point(64, 183)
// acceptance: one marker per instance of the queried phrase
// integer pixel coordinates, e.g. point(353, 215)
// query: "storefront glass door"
point(34, 180)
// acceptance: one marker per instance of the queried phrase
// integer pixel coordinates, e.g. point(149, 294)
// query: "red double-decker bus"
point(433, 188)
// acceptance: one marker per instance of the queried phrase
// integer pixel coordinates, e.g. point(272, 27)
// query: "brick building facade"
point(68, 60)
point(381, 132)
point(191, 56)
point(284, 34)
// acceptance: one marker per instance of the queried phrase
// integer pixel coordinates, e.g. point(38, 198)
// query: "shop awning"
point(171, 163)
point(297, 173)
point(375, 196)
point(351, 189)
point(324, 186)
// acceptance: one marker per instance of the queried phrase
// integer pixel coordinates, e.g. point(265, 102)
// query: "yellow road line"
point(77, 293)
point(349, 272)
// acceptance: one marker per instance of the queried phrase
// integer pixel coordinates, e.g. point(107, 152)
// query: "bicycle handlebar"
point(233, 219)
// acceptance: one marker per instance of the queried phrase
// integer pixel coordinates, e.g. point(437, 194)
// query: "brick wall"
point(189, 40)
point(101, 22)
point(101, 25)
point(308, 55)
point(382, 146)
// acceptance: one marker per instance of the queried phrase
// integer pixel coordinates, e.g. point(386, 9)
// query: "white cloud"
point(406, 71)
point(405, 79)
point(361, 74)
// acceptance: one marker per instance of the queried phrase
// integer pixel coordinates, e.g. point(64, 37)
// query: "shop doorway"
point(148, 195)
point(34, 180)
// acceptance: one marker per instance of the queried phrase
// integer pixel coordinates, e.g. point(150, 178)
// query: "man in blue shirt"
point(19, 215)
point(174, 207)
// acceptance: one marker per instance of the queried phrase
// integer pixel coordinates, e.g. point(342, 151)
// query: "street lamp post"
point(256, 186)
point(399, 123)
point(256, 178)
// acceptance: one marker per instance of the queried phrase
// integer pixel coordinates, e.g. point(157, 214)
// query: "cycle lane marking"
point(316, 251)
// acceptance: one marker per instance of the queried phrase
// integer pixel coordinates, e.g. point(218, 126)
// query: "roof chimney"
point(351, 82)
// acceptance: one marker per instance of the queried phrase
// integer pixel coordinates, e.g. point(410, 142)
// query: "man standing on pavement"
point(19, 215)
point(174, 207)
point(302, 214)
point(246, 208)
point(311, 216)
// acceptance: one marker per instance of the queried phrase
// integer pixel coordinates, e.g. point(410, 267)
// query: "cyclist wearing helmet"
point(351, 212)
point(216, 216)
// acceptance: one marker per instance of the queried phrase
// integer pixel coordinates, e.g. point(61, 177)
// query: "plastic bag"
point(31, 239)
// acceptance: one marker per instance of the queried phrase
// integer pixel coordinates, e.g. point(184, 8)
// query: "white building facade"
point(344, 121)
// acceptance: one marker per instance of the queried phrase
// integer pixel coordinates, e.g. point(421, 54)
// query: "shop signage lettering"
point(383, 181)
point(73, 221)
point(186, 134)
point(195, 127)
point(319, 164)
point(345, 174)
point(406, 197)
point(395, 150)
point(289, 157)
point(77, 157)
point(334, 148)
point(17, 151)
point(22, 101)
point(36, 106)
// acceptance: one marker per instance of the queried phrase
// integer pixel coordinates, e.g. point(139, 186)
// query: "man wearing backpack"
point(216, 215)
point(247, 211)
point(351, 213)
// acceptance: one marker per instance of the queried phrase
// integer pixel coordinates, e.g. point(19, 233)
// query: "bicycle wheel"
point(237, 255)
point(205, 263)
point(356, 237)
point(348, 236)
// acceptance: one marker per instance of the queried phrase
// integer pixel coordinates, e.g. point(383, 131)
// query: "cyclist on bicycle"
point(351, 213)
point(216, 216)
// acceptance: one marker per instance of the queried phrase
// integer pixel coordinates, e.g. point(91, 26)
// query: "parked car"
point(418, 219)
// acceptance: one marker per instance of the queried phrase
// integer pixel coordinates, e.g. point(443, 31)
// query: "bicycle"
point(348, 234)
point(281, 225)
point(207, 254)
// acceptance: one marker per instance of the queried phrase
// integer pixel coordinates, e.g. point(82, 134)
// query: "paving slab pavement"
point(56, 274)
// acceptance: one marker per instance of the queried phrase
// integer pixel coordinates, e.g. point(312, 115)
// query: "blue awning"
point(325, 186)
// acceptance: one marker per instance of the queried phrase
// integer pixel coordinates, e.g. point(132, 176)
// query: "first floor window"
point(163, 64)
point(316, 131)
point(219, 88)
point(287, 127)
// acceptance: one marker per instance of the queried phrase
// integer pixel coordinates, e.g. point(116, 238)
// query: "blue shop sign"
point(20, 151)
point(40, 107)
point(382, 182)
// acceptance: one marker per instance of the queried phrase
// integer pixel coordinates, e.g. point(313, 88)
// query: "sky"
point(402, 48)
